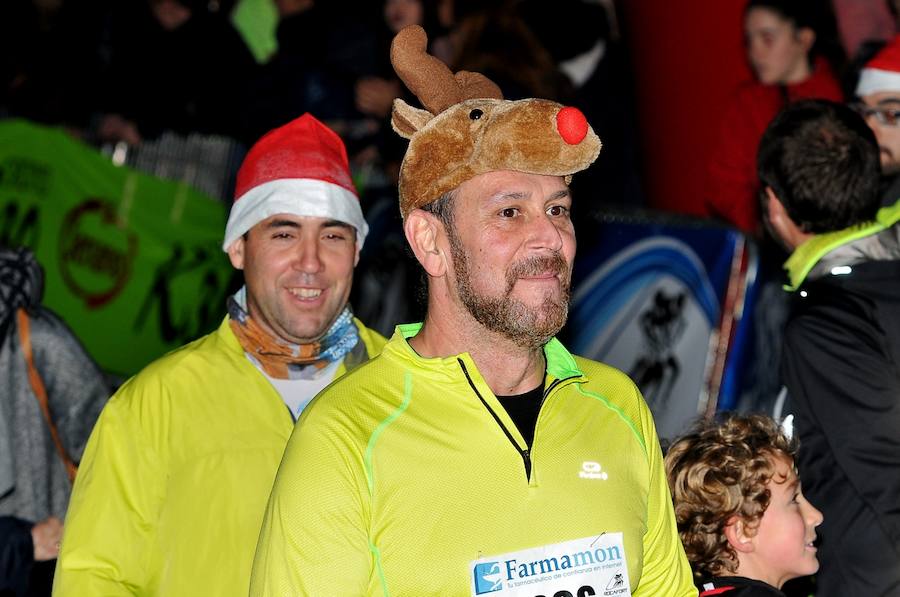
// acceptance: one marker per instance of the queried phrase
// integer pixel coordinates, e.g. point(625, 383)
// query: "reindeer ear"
point(406, 120)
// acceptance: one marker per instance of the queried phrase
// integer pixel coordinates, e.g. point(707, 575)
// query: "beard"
point(526, 326)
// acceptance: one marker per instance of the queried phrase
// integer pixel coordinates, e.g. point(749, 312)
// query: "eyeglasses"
point(888, 116)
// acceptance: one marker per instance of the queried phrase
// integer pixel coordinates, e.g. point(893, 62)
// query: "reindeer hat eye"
point(476, 114)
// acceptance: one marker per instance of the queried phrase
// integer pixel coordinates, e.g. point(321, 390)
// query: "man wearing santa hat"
point(172, 488)
point(879, 103)
point(818, 164)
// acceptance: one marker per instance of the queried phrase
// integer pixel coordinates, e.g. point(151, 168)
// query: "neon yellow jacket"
point(172, 488)
point(403, 472)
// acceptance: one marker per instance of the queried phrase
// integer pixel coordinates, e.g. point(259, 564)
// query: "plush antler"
point(468, 128)
point(430, 79)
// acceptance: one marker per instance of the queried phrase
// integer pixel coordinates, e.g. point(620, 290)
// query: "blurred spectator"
point(50, 59)
point(581, 39)
point(864, 21)
point(174, 65)
point(323, 48)
point(818, 162)
point(494, 40)
point(387, 275)
point(782, 47)
point(878, 91)
point(52, 394)
point(375, 94)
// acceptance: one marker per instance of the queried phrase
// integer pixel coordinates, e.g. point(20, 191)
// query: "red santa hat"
point(882, 73)
point(301, 169)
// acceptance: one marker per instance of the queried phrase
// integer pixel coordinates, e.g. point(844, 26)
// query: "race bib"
point(578, 568)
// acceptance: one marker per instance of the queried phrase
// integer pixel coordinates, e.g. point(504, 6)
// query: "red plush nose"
point(572, 125)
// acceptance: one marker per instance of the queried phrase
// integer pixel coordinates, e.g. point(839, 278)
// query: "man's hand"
point(114, 127)
point(375, 96)
point(46, 536)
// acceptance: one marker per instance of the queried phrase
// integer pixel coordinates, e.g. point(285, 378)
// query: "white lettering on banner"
point(578, 568)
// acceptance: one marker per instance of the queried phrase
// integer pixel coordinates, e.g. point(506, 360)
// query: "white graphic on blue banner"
point(645, 310)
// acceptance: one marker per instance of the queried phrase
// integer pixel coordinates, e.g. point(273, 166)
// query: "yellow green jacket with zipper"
point(172, 488)
point(405, 471)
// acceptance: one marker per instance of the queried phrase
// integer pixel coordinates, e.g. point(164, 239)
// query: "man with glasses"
point(878, 91)
point(818, 165)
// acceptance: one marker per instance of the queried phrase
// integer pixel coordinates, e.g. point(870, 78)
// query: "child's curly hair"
point(719, 471)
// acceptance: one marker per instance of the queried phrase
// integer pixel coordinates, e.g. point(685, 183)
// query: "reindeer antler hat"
point(467, 128)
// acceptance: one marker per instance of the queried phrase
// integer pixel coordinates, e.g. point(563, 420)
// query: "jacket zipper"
point(524, 453)
point(547, 391)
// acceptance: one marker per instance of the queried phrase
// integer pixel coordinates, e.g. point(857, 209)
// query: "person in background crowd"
point(375, 94)
point(176, 474)
point(51, 61)
point(175, 65)
point(323, 48)
point(781, 40)
point(783, 48)
point(52, 392)
point(492, 38)
point(878, 93)
point(818, 162)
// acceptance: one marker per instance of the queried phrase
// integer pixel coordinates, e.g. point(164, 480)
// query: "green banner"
point(132, 263)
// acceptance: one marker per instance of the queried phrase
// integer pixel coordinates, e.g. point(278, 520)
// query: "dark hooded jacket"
point(841, 366)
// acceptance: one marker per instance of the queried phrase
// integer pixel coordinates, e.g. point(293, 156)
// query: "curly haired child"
point(744, 523)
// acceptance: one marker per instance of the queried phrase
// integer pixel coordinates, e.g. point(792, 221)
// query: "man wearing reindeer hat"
point(173, 485)
point(476, 455)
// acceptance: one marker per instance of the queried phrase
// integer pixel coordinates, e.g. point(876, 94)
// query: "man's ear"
point(807, 38)
point(736, 533)
point(236, 253)
point(782, 225)
point(423, 231)
point(772, 205)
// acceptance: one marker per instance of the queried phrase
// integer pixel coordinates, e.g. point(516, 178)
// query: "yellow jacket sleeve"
point(110, 524)
point(666, 570)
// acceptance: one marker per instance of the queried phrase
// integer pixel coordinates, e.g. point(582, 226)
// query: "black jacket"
point(841, 366)
point(16, 556)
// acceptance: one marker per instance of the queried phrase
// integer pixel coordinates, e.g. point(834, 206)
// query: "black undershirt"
point(523, 410)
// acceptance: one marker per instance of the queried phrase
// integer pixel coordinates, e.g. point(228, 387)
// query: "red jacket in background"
point(732, 192)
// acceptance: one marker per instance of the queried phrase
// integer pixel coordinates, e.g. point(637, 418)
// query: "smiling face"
point(298, 271)
point(783, 543)
point(513, 244)
point(777, 50)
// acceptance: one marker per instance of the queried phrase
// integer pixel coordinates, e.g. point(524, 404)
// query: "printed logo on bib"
point(579, 568)
point(488, 578)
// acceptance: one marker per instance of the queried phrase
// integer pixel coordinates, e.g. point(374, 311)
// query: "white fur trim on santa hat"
point(876, 80)
point(298, 197)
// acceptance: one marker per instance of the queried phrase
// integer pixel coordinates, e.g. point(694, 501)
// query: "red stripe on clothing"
point(718, 591)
